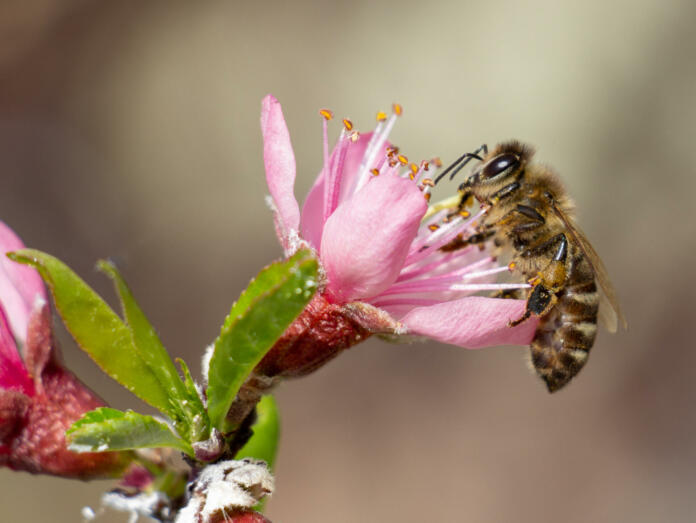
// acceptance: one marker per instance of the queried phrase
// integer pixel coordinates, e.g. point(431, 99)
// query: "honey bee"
point(528, 214)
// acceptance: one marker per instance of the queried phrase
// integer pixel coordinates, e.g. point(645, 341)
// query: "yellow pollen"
point(398, 110)
point(355, 136)
point(402, 159)
point(433, 227)
point(427, 196)
point(414, 168)
point(375, 171)
point(328, 115)
point(381, 116)
point(428, 182)
point(437, 162)
point(511, 266)
point(464, 214)
point(534, 281)
point(348, 124)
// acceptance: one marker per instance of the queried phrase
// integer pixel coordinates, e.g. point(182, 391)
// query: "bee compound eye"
point(499, 164)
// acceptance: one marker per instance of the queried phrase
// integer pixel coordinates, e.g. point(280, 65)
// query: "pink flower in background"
point(39, 398)
point(383, 267)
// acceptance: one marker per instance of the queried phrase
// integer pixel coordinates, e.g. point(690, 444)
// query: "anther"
point(392, 150)
point(392, 163)
point(348, 124)
point(398, 109)
point(402, 159)
point(414, 168)
point(464, 214)
point(328, 115)
point(433, 227)
point(381, 116)
point(427, 196)
point(426, 166)
point(428, 182)
point(511, 266)
point(375, 171)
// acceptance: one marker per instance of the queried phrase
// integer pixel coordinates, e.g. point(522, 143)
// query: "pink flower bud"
point(39, 398)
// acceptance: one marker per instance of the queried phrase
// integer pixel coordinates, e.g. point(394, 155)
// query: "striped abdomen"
point(566, 334)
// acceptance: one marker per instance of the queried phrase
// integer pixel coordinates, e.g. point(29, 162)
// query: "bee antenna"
point(461, 162)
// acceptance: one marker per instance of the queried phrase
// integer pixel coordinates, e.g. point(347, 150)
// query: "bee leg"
point(459, 242)
point(508, 294)
point(540, 301)
point(551, 279)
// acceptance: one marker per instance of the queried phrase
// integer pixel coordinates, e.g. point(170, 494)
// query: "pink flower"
point(367, 218)
point(39, 398)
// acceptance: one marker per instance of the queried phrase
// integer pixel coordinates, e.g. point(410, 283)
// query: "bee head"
point(503, 165)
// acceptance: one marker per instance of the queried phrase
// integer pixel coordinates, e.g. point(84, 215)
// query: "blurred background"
point(130, 130)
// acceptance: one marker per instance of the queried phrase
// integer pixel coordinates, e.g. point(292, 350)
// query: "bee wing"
point(609, 310)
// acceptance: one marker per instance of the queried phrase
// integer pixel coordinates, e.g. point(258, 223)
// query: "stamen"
point(489, 286)
point(328, 115)
point(378, 138)
point(403, 160)
point(398, 109)
point(381, 116)
point(332, 187)
point(348, 124)
point(375, 171)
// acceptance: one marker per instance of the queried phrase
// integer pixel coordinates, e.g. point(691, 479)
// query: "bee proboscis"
point(529, 215)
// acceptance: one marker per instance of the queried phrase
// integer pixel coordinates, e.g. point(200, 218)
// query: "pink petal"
point(472, 322)
point(279, 160)
point(13, 374)
point(20, 285)
point(366, 240)
point(312, 223)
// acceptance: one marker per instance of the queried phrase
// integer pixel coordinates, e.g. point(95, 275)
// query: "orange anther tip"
point(348, 124)
point(433, 227)
point(375, 171)
point(512, 265)
point(381, 116)
point(402, 159)
point(437, 162)
point(392, 163)
point(464, 214)
point(427, 196)
point(398, 109)
point(328, 115)
point(414, 168)
point(426, 166)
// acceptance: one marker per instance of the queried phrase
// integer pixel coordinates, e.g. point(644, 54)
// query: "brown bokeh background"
point(130, 130)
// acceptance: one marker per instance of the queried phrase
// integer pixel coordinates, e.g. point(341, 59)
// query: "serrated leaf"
point(263, 444)
point(97, 329)
point(258, 318)
point(106, 429)
point(155, 356)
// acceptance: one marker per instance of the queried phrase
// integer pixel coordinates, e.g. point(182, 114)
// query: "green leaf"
point(264, 442)
point(260, 316)
point(200, 424)
point(97, 329)
point(106, 429)
point(189, 410)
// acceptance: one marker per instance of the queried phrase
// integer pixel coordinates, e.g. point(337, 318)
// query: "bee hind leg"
point(540, 301)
